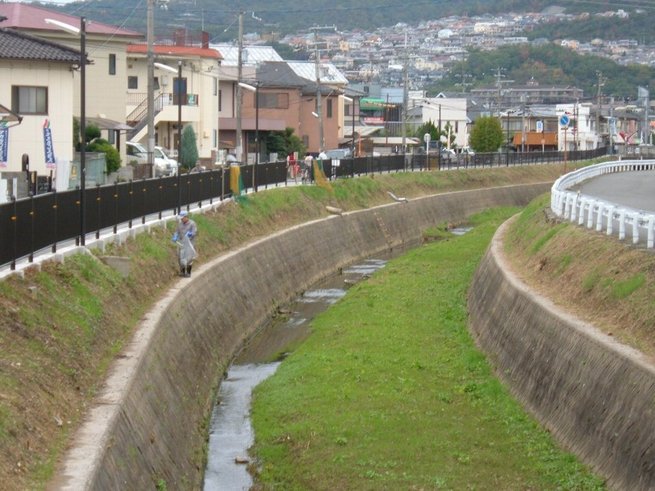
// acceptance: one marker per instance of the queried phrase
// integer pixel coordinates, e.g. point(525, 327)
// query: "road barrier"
point(603, 215)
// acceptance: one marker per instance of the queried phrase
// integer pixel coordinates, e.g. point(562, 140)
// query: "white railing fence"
point(603, 215)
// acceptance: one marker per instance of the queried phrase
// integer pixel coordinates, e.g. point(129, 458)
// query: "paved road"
point(633, 189)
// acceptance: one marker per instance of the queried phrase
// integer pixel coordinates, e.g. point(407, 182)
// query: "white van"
point(163, 164)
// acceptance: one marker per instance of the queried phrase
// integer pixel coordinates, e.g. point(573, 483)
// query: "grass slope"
point(61, 328)
point(604, 281)
point(390, 392)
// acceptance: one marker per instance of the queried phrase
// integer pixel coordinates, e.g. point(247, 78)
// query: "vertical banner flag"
point(4, 145)
point(236, 183)
point(319, 176)
point(48, 146)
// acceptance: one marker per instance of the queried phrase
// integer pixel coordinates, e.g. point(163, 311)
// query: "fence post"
point(610, 220)
point(160, 188)
point(651, 232)
point(590, 214)
point(622, 225)
point(211, 187)
point(583, 204)
point(31, 256)
point(14, 218)
point(599, 217)
point(99, 211)
point(54, 221)
point(131, 194)
point(115, 207)
point(143, 195)
point(635, 227)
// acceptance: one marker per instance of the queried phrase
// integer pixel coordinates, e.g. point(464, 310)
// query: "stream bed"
point(231, 433)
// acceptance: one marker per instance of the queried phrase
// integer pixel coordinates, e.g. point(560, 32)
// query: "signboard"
point(564, 120)
point(540, 126)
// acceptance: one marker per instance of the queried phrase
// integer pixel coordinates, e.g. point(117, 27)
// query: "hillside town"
point(358, 94)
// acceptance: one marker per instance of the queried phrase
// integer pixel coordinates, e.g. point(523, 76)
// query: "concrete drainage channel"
point(231, 433)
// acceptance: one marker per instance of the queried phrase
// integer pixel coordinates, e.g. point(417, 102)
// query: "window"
point(29, 100)
point(278, 100)
point(215, 86)
point(156, 83)
point(132, 82)
point(329, 108)
point(220, 100)
point(112, 64)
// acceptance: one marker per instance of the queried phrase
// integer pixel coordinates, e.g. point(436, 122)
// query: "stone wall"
point(594, 394)
point(150, 421)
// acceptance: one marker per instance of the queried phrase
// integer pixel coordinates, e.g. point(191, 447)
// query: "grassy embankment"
point(390, 392)
point(61, 327)
point(602, 280)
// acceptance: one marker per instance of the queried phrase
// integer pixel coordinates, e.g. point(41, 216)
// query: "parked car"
point(162, 163)
point(448, 154)
point(338, 153)
point(136, 153)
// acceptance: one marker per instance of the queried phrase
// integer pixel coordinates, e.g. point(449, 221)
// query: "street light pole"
point(150, 84)
point(352, 143)
point(254, 89)
point(82, 129)
point(81, 32)
point(179, 134)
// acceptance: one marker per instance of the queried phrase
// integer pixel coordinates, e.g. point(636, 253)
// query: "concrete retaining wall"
point(596, 395)
point(149, 423)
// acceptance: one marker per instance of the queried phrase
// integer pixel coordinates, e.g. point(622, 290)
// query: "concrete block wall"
point(149, 422)
point(594, 394)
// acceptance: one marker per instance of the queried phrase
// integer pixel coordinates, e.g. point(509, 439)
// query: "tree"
point(96, 144)
point(112, 157)
point(486, 135)
point(430, 128)
point(284, 143)
point(189, 150)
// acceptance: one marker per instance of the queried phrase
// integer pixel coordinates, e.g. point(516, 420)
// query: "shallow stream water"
point(231, 432)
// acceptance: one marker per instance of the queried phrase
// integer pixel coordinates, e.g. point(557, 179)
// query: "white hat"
point(184, 213)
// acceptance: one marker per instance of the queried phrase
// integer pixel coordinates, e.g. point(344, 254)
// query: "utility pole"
point(405, 98)
point(150, 20)
point(319, 110)
point(499, 86)
point(523, 123)
point(601, 82)
point(576, 128)
point(238, 145)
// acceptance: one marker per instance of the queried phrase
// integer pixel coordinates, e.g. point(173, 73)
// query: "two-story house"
point(37, 86)
point(288, 98)
point(194, 98)
point(106, 76)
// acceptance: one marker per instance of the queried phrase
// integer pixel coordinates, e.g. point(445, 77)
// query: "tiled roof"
point(174, 50)
point(20, 46)
point(25, 16)
point(251, 55)
point(328, 73)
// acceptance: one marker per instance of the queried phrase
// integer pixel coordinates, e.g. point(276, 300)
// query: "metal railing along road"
point(600, 214)
point(40, 224)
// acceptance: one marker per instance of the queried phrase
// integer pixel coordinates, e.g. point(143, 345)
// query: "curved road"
point(633, 189)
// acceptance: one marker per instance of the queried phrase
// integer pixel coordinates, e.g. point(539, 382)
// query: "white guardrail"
point(603, 215)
